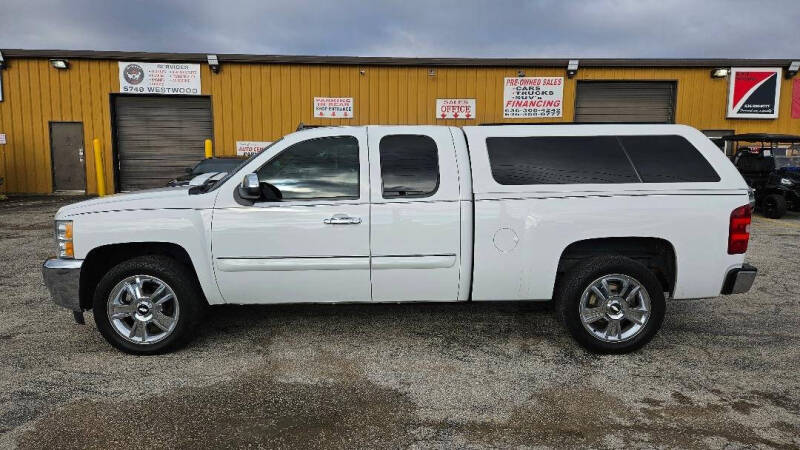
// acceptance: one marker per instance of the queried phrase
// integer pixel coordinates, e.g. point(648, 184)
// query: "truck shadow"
point(454, 319)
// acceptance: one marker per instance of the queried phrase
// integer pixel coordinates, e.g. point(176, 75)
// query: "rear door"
point(415, 230)
point(66, 143)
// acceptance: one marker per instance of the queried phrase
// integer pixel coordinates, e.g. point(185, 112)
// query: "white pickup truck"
point(606, 220)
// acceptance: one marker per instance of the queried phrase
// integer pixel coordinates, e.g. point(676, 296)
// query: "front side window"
point(321, 168)
point(558, 160)
point(409, 166)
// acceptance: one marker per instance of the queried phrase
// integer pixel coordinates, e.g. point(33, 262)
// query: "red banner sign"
point(796, 98)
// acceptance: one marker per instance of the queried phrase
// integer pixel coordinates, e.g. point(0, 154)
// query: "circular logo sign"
point(134, 74)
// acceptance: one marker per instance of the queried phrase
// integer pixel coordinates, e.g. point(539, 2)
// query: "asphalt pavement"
point(721, 373)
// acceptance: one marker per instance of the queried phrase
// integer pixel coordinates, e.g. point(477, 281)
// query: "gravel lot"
point(722, 373)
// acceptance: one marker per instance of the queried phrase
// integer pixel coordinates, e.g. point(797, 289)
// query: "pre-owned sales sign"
point(159, 78)
point(455, 108)
point(525, 97)
point(333, 107)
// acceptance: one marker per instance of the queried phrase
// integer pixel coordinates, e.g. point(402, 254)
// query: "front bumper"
point(62, 278)
point(739, 280)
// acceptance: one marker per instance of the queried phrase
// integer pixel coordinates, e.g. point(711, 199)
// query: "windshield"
point(239, 167)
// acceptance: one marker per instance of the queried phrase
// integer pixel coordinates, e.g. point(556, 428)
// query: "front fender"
point(187, 228)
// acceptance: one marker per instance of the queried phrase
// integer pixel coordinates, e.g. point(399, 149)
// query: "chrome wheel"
point(614, 308)
point(142, 309)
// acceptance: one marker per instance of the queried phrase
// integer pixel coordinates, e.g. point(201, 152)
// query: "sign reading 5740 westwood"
point(159, 78)
point(526, 97)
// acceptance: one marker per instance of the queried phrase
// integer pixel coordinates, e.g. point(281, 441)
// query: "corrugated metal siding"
point(35, 94)
point(263, 102)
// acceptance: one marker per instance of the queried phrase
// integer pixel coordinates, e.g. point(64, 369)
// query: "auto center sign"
point(754, 92)
point(159, 78)
point(455, 108)
point(531, 97)
point(250, 148)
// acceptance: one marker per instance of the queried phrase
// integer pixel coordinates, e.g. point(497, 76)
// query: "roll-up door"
point(625, 101)
point(158, 138)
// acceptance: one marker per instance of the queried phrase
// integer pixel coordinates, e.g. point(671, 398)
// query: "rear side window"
point(409, 166)
point(667, 159)
point(559, 160)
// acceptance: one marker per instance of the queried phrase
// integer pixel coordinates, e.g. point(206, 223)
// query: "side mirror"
point(270, 193)
point(188, 170)
point(250, 189)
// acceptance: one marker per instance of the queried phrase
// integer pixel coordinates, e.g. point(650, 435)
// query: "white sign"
point(2, 139)
point(754, 92)
point(455, 108)
point(159, 78)
point(333, 107)
point(525, 97)
point(250, 148)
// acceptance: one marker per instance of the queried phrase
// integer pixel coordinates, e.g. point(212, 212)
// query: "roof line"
point(395, 61)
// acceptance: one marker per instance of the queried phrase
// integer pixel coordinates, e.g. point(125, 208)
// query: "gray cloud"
point(543, 28)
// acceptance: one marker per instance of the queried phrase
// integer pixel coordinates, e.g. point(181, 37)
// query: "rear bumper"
point(739, 280)
point(62, 278)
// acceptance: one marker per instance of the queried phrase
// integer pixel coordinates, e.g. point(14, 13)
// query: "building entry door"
point(66, 145)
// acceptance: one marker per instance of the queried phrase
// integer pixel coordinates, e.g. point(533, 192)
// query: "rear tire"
point(155, 304)
point(774, 206)
point(627, 314)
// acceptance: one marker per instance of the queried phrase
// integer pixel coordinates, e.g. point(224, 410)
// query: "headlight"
point(786, 182)
point(66, 249)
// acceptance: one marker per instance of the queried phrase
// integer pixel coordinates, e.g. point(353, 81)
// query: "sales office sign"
point(159, 78)
point(455, 108)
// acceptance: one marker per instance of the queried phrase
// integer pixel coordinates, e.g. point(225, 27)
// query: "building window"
point(716, 138)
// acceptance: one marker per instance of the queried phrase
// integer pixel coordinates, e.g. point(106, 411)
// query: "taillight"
point(739, 230)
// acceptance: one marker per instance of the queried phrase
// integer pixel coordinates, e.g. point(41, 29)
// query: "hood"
point(162, 198)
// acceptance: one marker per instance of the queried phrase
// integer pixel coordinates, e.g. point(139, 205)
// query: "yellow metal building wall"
point(35, 94)
point(264, 102)
point(272, 100)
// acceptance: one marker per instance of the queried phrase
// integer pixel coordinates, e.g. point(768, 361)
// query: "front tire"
point(148, 305)
point(774, 206)
point(611, 304)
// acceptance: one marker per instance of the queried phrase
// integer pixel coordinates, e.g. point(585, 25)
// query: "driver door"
point(313, 246)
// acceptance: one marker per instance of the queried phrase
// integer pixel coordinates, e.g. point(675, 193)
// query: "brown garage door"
point(625, 101)
point(158, 138)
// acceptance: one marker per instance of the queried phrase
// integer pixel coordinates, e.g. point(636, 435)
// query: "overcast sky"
point(459, 28)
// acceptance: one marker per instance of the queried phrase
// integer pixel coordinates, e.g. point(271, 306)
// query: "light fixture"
point(794, 67)
point(720, 72)
point(431, 72)
point(572, 68)
point(60, 64)
point(520, 73)
point(2, 62)
point(362, 72)
point(213, 63)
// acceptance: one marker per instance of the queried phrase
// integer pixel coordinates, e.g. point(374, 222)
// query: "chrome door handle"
point(342, 219)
